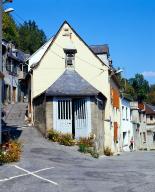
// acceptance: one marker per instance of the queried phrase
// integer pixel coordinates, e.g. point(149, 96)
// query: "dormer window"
point(70, 57)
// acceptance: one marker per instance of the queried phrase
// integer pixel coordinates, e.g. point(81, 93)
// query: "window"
point(126, 113)
point(151, 117)
point(14, 67)
point(123, 113)
point(11, 65)
point(70, 57)
point(140, 117)
point(153, 136)
point(64, 109)
point(8, 64)
point(115, 98)
point(144, 137)
point(130, 115)
point(115, 132)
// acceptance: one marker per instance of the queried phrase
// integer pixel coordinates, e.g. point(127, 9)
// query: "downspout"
point(31, 100)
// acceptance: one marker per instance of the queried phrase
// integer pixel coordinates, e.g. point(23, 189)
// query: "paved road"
point(69, 171)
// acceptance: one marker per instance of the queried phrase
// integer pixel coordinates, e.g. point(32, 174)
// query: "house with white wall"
point(70, 89)
point(134, 110)
point(142, 126)
point(127, 133)
point(150, 126)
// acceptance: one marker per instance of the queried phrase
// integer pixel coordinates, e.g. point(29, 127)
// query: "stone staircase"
point(15, 114)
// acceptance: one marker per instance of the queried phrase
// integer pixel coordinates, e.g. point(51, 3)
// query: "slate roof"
point(100, 49)
point(70, 83)
point(18, 55)
point(150, 109)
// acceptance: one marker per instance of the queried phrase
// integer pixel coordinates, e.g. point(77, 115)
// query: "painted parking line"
point(10, 178)
point(30, 173)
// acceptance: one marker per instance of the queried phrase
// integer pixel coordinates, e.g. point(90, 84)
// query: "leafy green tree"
point(151, 95)
point(10, 29)
point(140, 86)
point(125, 87)
point(30, 37)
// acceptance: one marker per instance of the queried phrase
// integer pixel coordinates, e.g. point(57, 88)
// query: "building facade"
point(14, 70)
point(127, 132)
point(74, 92)
point(150, 126)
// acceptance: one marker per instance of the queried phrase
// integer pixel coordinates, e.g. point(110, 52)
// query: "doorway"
point(14, 94)
point(72, 115)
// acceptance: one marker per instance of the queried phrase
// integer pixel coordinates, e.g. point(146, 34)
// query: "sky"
point(127, 26)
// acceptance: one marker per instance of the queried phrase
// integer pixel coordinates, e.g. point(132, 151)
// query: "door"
point(14, 95)
point(63, 115)
point(72, 116)
point(82, 117)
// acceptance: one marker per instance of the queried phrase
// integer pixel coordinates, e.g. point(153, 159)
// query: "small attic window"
point(70, 57)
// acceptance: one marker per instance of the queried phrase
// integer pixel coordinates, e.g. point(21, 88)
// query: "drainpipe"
point(1, 70)
point(31, 84)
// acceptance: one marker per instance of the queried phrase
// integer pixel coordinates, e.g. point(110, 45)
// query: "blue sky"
point(128, 26)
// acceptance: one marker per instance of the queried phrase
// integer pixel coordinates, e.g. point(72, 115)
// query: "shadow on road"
point(12, 132)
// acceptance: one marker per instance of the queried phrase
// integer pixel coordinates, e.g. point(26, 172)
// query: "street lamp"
point(1, 11)
point(116, 72)
point(9, 10)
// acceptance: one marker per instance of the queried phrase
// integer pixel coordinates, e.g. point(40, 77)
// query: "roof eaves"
point(52, 40)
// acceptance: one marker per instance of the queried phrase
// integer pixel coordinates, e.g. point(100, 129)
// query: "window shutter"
point(115, 131)
point(115, 99)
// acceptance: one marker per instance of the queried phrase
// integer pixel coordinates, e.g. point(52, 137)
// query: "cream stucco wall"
point(87, 65)
point(53, 65)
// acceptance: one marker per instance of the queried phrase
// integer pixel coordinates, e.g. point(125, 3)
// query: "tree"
point(125, 87)
point(10, 29)
point(140, 86)
point(31, 37)
point(151, 95)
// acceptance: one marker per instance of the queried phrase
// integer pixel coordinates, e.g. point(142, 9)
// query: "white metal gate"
point(63, 115)
point(82, 117)
point(72, 116)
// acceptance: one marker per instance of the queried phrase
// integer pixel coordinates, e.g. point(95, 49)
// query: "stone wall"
point(39, 106)
point(49, 113)
point(97, 123)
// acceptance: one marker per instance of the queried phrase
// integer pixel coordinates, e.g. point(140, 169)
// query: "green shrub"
point(62, 138)
point(86, 141)
point(94, 154)
point(53, 135)
point(86, 146)
point(10, 152)
point(83, 148)
point(66, 139)
point(108, 152)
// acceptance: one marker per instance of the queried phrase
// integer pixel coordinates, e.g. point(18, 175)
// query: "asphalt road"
point(49, 167)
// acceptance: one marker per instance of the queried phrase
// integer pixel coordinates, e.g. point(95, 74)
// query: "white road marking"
point(30, 173)
point(10, 178)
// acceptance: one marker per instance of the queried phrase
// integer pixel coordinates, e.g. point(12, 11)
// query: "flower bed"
point(86, 145)
point(63, 138)
point(10, 152)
